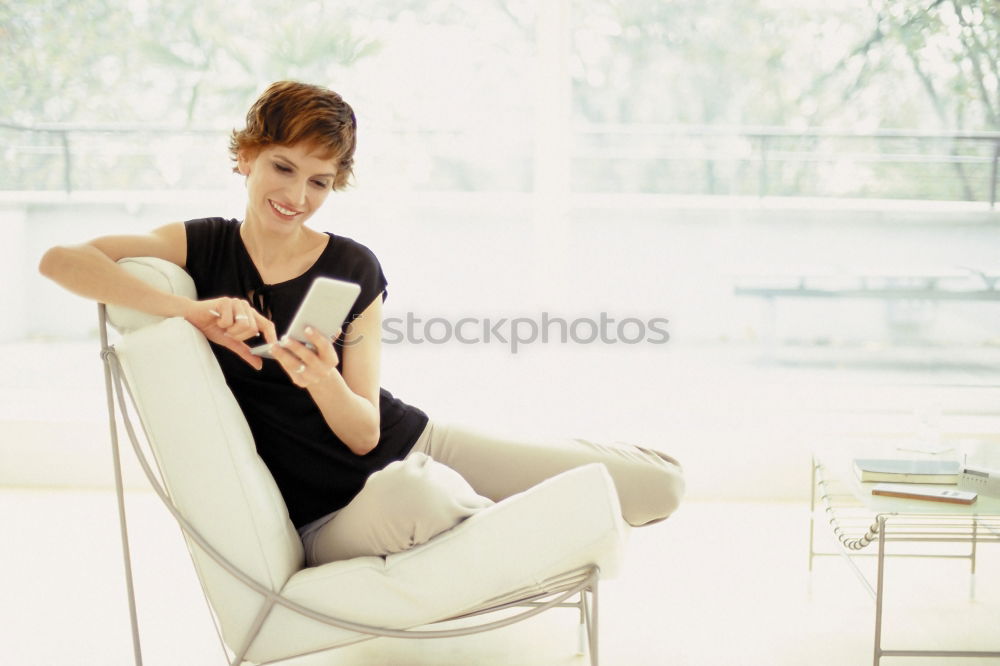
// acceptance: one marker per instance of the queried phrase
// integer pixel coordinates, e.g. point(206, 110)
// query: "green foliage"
point(434, 69)
point(169, 62)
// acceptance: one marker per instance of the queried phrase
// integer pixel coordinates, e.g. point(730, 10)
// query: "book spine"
point(880, 477)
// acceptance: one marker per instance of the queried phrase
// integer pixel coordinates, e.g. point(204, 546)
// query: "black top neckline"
point(259, 279)
point(258, 292)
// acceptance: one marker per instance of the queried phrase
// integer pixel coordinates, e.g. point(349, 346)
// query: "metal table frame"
point(857, 523)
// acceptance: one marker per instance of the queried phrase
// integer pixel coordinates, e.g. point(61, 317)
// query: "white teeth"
point(283, 211)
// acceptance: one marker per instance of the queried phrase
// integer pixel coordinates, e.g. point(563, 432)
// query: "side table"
point(859, 520)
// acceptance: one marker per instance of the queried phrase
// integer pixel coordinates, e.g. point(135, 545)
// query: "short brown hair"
point(289, 112)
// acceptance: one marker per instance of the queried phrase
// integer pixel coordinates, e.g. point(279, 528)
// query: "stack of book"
point(907, 471)
point(914, 479)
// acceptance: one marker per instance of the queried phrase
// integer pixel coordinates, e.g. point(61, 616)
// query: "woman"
point(362, 472)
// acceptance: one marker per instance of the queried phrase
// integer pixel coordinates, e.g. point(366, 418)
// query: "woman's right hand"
point(230, 321)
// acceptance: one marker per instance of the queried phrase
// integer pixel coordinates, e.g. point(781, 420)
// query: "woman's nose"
point(298, 193)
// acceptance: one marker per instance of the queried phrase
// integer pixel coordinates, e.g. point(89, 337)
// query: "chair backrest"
point(205, 453)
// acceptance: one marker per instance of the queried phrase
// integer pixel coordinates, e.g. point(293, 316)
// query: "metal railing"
point(639, 158)
point(44, 149)
point(781, 161)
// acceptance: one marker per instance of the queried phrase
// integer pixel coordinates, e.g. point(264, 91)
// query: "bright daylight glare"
point(734, 230)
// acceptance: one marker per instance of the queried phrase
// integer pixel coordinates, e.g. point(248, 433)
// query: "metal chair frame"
point(554, 593)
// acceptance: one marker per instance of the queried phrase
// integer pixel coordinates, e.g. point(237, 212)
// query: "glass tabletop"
point(838, 465)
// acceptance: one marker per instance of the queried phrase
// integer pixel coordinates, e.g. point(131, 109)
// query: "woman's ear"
point(243, 160)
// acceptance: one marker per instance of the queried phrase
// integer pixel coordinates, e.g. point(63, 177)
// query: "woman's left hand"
point(307, 367)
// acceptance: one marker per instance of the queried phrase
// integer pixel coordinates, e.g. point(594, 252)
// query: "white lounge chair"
point(540, 549)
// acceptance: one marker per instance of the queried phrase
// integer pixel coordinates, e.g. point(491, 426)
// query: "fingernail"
point(214, 313)
point(309, 330)
point(284, 341)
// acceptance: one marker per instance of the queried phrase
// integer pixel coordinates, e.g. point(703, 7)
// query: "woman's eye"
point(282, 168)
point(322, 184)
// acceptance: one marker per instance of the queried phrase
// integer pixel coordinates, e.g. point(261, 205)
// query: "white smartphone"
point(325, 307)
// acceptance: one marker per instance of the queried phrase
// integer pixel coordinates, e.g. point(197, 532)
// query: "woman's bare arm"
point(91, 270)
point(349, 401)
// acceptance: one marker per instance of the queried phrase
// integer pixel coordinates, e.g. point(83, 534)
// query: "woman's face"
point(286, 185)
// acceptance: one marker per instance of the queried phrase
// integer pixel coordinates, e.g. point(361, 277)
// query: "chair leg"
point(136, 648)
point(119, 488)
point(593, 626)
point(588, 624)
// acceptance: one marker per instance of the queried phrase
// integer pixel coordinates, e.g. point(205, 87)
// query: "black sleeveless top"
point(312, 467)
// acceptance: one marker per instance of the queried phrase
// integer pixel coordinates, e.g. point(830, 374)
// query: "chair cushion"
point(208, 462)
point(565, 523)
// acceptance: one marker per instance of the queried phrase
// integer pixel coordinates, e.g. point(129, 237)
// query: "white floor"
point(719, 583)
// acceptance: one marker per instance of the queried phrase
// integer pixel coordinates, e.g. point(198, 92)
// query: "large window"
point(868, 98)
point(733, 158)
point(804, 190)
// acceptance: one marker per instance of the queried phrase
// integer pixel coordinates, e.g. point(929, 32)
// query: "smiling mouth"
point(284, 212)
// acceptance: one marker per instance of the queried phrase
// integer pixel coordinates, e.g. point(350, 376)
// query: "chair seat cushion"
point(568, 522)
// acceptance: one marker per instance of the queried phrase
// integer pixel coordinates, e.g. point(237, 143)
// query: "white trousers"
point(453, 472)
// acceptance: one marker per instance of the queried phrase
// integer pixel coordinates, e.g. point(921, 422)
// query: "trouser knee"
point(405, 504)
point(422, 486)
point(422, 497)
